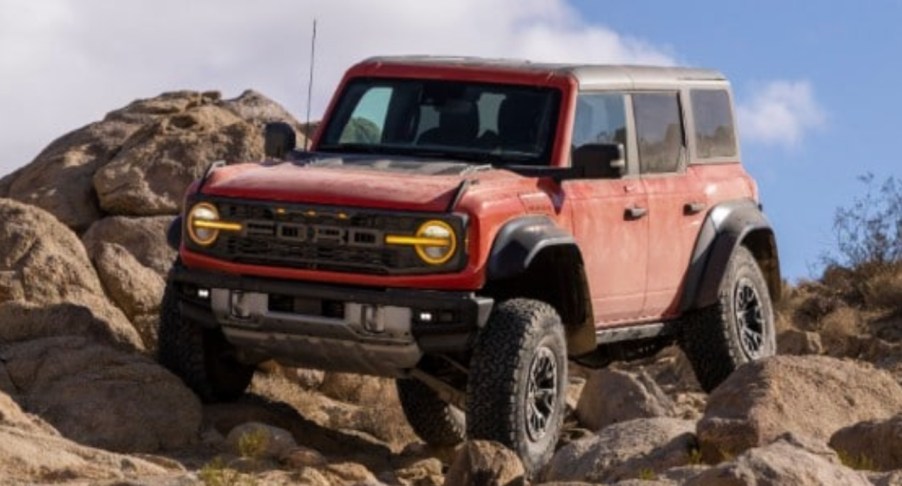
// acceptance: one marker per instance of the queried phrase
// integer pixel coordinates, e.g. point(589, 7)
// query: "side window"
point(714, 131)
point(368, 119)
point(659, 130)
point(600, 119)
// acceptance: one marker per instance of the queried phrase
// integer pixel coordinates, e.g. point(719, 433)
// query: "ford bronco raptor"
point(469, 226)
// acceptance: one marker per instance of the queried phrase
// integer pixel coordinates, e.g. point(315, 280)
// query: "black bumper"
point(470, 312)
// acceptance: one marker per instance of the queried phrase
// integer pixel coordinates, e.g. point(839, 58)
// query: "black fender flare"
point(174, 233)
point(725, 228)
point(519, 241)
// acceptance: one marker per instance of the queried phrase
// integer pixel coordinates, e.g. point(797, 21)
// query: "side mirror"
point(599, 161)
point(279, 140)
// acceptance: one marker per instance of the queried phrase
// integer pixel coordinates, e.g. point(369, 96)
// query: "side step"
point(633, 333)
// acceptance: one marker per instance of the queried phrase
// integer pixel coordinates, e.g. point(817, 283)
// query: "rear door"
point(676, 203)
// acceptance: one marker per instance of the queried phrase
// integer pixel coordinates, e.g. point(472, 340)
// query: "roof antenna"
point(310, 87)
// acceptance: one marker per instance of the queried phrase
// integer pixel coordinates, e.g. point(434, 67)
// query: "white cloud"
point(780, 113)
point(66, 63)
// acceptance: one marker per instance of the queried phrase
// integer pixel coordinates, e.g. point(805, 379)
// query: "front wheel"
point(202, 358)
point(518, 378)
point(435, 421)
point(738, 329)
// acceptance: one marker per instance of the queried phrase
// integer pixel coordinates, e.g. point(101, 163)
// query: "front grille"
point(321, 238)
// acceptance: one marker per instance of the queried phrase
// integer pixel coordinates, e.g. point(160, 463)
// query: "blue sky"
point(815, 81)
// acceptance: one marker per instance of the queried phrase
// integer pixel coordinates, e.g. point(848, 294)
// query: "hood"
point(354, 180)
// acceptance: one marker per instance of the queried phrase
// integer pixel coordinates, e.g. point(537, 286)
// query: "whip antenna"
point(310, 86)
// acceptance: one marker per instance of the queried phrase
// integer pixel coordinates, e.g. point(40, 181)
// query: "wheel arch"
point(728, 226)
point(534, 258)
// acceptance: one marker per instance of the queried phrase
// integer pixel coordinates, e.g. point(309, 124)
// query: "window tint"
point(600, 118)
point(659, 131)
point(368, 118)
point(714, 132)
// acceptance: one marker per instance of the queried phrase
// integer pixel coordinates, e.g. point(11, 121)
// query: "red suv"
point(467, 226)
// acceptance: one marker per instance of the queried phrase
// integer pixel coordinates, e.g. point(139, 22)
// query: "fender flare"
point(174, 233)
point(725, 228)
point(518, 243)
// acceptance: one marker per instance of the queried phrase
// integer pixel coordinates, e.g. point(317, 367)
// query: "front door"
point(608, 215)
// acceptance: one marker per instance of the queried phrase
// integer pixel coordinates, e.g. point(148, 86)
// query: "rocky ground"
point(82, 401)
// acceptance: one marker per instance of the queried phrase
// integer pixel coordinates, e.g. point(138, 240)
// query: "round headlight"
point(202, 212)
point(442, 242)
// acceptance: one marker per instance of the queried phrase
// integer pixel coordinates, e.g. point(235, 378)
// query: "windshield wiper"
point(354, 148)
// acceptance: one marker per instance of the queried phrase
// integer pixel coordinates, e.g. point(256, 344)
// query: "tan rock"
point(875, 444)
point(624, 450)
point(893, 478)
point(257, 440)
point(794, 341)
point(812, 396)
point(136, 289)
point(144, 238)
point(42, 262)
point(301, 457)
point(612, 396)
point(790, 460)
point(485, 463)
point(101, 396)
point(354, 388)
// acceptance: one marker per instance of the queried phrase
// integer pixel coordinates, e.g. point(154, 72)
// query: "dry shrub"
point(840, 331)
point(883, 289)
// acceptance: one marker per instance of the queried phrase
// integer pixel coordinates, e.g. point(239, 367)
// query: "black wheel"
point(518, 378)
point(737, 329)
point(202, 358)
point(435, 421)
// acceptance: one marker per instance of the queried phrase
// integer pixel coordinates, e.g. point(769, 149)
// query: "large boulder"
point(484, 463)
point(144, 238)
point(624, 450)
point(612, 396)
point(101, 396)
point(875, 444)
point(790, 460)
point(140, 159)
point(43, 263)
point(32, 452)
point(813, 396)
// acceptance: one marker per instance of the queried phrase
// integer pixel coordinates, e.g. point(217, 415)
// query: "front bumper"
point(353, 329)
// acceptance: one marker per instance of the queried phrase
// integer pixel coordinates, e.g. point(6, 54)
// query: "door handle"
point(636, 212)
point(693, 207)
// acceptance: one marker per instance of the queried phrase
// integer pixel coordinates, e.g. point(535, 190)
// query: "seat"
point(458, 125)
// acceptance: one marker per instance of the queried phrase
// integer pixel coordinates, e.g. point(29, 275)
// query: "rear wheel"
point(435, 421)
point(201, 357)
point(738, 329)
point(518, 378)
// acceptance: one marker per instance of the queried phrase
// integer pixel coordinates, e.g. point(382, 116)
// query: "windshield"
point(478, 122)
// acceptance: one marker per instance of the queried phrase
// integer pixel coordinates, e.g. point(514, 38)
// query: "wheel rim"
point(750, 320)
point(541, 393)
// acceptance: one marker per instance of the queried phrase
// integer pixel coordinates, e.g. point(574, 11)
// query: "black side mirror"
point(599, 161)
point(279, 140)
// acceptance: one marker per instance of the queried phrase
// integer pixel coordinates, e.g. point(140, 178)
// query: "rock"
point(612, 396)
point(42, 262)
point(423, 471)
point(623, 450)
point(136, 289)
point(150, 173)
point(59, 180)
point(101, 396)
point(886, 479)
point(144, 238)
point(349, 473)
point(259, 110)
point(33, 452)
point(255, 440)
point(875, 445)
point(484, 463)
point(790, 460)
point(357, 389)
point(812, 396)
point(306, 378)
point(794, 341)
point(301, 457)
point(22, 321)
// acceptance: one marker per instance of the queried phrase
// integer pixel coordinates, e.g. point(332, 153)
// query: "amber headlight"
point(204, 224)
point(434, 242)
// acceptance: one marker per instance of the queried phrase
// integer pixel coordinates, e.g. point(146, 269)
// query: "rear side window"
point(714, 130)
point(659, 130)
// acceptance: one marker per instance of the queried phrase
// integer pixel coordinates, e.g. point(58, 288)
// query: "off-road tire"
point(712, 337)
point(520, 334)
point(436, 422)
point(202, 358)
